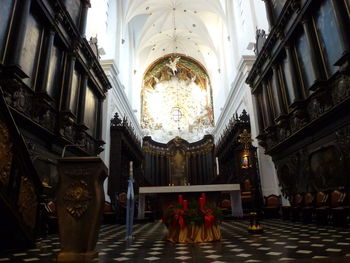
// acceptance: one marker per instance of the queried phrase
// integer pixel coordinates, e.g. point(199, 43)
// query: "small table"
point(233, 189)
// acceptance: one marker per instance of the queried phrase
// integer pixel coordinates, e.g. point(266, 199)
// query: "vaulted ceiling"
point(191, 27)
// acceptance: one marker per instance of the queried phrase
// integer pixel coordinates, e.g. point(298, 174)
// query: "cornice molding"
point(237, 87)
point(119, 96)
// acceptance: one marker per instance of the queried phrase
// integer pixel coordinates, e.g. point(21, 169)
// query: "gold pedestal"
point(194, 234)
point(69, 257)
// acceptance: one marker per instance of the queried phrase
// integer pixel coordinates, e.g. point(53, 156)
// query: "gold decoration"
point(28, 202)
point(77, 199)
point(6, 154)
point(246, 139)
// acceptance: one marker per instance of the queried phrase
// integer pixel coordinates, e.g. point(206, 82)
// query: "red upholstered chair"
point(52, 222)
point(307, 208)
point(295, 207)
point(339, 207)
point(247, 195)
point(321, 208)
point(272, 206)
point(225, 206)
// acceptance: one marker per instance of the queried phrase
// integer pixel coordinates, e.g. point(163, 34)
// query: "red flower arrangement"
point(193, 213)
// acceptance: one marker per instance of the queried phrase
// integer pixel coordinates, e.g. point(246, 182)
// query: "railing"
point(20, 185)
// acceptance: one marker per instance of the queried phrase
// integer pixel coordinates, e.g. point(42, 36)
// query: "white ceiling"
point(191, 27)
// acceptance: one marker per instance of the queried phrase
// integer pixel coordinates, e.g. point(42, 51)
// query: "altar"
point(232, 189)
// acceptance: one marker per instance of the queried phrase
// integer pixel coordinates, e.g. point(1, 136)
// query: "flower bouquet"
point(192, 222)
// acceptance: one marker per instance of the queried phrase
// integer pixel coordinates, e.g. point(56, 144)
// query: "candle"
point(180, 200)
point(131, 171)
point(204, 198)
point(185, 204)
point(201, 203)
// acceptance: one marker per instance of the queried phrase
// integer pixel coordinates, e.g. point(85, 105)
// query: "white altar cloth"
point(233, 189)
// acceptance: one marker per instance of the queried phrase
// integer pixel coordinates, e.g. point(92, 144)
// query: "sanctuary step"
point(281, 241)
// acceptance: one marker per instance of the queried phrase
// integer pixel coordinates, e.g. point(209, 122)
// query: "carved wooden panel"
point(5, 16)
point(6, 154)
point(31, 48)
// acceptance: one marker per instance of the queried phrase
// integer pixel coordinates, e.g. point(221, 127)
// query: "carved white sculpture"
point(173, 64)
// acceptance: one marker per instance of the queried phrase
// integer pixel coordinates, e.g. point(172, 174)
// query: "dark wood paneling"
point(308, 144)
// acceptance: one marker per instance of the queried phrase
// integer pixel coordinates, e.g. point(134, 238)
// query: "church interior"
point(175, 131)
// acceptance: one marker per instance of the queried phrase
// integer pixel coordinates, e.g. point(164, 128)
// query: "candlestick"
point(204, 198)
point(180, 200)
point(185, 204)
point(201, 203)
point(131, 170)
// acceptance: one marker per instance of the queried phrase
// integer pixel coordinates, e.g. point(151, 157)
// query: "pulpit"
point(80, 202)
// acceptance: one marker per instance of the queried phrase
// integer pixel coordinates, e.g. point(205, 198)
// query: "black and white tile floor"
point(281, 241)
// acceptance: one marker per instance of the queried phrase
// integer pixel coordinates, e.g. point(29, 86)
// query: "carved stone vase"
point(80, 201)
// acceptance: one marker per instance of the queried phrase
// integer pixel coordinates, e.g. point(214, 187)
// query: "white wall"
point(243, 18)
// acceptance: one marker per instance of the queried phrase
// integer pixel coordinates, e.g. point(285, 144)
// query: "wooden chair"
point(338, 208)
point(321, 208)
point(247, 195)
point(307, 208)
point(225, 206)
point(272, 206)
point(295, 207)
point(52, 222)
point(109, 214)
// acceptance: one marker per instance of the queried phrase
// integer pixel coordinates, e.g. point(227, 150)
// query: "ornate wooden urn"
point(80, 201)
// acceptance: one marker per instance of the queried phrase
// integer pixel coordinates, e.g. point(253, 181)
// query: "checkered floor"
point(281, 241)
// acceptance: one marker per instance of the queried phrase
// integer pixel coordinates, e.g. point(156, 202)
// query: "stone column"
point(342, 22)
point(256, 106)
point(65, 100)
point(82, 95)
point(278, 96)
point(269, 120)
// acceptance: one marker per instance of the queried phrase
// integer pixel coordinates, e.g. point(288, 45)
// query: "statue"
point(173, 64)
